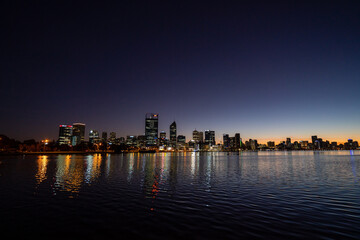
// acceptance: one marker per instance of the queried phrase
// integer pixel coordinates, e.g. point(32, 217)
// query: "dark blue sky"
point(266, 69)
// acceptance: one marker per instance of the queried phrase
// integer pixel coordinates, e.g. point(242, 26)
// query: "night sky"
point(266, 69)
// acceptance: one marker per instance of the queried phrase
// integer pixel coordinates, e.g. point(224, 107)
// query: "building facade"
point(65, 134)
point(151, 128)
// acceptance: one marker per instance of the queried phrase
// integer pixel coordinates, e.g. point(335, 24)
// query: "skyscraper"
point(151, 128)
point(78, 135)
point(112, 137)
point(173, 134)
point(65, 133)
point(181, 140)
point(226, 140)
point(162, 138)
point(104, 136)
point(209, 137)
point(195, 135)
point(93, 136)
point(237, 141)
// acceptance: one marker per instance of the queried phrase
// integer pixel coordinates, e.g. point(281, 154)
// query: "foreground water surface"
point(280, 195)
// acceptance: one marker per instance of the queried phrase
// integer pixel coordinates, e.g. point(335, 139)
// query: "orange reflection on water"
point(42, 168)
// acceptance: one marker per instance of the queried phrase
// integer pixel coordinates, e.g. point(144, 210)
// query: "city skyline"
point(218, 135)
point(269, 70)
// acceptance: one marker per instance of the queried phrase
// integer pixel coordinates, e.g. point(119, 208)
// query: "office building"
point(112, 137)
point(271, 144)
point(104, 136)
point(210, 137)
point(173, 134)
point(78, 133)
point(65, 134)
point(94, 136)
point(237, 141)
point(162, 138)
point(226, 141)
point(181, 140)
point(151, 128)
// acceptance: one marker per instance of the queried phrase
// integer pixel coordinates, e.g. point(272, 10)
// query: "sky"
point(265, 69)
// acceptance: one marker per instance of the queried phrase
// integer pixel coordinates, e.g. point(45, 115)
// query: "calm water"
point(283, 195)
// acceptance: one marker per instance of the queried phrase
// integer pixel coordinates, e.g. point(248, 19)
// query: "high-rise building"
point(210, 137)
point(162, 138)
point(237, 141)
point(271, 144)
point(173, 134)
point(65, 133)
point(93, 136)
point(112, 137)
point(78, 133)
point(195, 135)
point(104, 136)
point(181, 140)
point(313, 139)
point(226, 140)
point(151, 128)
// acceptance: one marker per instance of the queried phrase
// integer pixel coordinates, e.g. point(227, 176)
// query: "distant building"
point(237, 141)
point(151, 128)
point(94, 136)
point(210, 137)
point(313, 139)
point(78, 134)
point(162, 138)
point(173, 134)
point(271, 144)
point(181, 140)
point(131, 141)
point(104, 136)
point(288, 142)
point(226, 141)
point(195, 135)
point(253, 144)
point(112, 138)
point(65, 134)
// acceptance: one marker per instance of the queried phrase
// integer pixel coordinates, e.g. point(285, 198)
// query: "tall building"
point(226, 140)
point(195, 135)
point(65, 133)
point(78, 135)
point(104, 136)
point(271, 144)
point(181, 140)
point(237, 141)
point(151, 128)
point(313, 139)
point(162, 138)
point(93, 136)
point(209, 137)
point(112, 137)
point(173, 134)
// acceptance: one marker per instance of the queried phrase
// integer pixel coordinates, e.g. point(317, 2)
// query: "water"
point(279, 195)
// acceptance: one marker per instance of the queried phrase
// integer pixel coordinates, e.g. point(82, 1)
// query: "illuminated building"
point(162, 138)
point(131, 141)
point(173, 134)
point(78, 133)
point(195, 135)
point(112, 137)
point(93, 136)
point(181, 140)
point(65, 133)
point(151, 128)
point(210, 137)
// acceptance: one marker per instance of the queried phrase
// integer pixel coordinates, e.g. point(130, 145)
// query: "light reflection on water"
point(239, 195)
